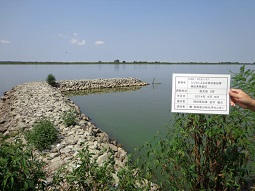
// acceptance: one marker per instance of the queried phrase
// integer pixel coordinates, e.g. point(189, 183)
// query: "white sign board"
point(200, 93)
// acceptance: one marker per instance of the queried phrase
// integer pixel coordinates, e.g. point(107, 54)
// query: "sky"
point(127, 30)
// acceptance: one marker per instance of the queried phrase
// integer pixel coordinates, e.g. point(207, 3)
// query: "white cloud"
point(74, 39)
point(99, 42)
point(78, 42)
point(5, 42)
point(82, 42)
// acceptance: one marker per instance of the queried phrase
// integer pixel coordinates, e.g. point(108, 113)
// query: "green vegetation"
point(69, 118)
point(89, 175)
point(51, 80)
point(19, 170)
point(206, 152)
point(42, 135)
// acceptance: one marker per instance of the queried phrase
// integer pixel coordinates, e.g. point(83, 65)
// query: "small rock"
point(53, 155)
point(82, 122)
point(55, 163)
point(71, 140)
point(67, 149)
point(113, 147)
point(103, 158)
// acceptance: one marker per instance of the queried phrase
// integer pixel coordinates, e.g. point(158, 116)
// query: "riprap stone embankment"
point(28, 102)
point(76, 85)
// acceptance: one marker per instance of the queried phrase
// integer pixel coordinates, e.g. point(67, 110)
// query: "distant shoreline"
point(116, 62)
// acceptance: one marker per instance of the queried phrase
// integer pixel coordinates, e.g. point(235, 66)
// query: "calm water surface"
point(131, 117)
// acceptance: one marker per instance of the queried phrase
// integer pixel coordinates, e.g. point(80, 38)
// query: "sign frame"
point(200, 93)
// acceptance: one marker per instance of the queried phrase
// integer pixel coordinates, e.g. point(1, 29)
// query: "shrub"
point(19, 170)
point(206, 152)
point(69, 118)
point(87, 174)
point(51, 80)
point(130, 178)
point(42, 135)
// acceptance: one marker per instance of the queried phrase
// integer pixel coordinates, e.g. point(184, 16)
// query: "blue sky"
point(129, 30)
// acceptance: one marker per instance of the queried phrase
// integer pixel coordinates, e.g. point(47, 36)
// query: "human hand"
point(242, 99)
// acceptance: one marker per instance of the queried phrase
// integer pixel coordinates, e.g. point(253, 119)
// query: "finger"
point(235, 90)
point(232, 103)
point(233, 94)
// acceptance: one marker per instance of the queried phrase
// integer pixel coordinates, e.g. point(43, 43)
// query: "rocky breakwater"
point(76, 85)
point(21, 107)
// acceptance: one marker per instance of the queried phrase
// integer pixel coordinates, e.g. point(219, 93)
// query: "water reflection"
point(154, 83)
point(102, 91)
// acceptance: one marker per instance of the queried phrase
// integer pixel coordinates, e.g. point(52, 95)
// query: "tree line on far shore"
point(117, 61)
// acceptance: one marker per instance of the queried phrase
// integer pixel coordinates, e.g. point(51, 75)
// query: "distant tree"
point(116, 61)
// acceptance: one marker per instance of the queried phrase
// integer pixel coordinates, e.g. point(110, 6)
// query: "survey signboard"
point(200, 93)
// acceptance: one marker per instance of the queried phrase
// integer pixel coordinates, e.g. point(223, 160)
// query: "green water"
point(128, 116)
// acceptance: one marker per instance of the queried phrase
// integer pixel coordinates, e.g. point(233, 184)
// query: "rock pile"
point(75, 85)
point(26, 103)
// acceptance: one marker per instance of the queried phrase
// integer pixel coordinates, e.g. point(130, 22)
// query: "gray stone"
point(71, 140)
point(104, 137)
point(77, 127)
point(62, 127)
point(82, 122)
point(103, 158)
point(71, 132)
point(66, 150)
point(118, 164)
point(121, 154)
point(53, 155)
point(113, 147)
point(55, 163)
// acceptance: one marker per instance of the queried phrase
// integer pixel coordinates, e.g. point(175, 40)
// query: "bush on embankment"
point(42, 135)
point(51, 80)
point(206, 152)
point(69, 118)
